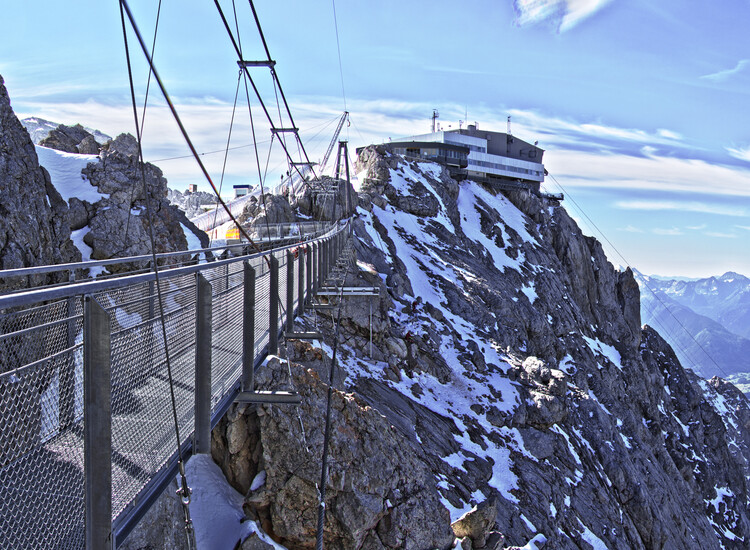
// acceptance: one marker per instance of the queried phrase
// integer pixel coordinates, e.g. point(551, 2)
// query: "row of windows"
point(496, 166)
point(470, 147)
point(430, 152)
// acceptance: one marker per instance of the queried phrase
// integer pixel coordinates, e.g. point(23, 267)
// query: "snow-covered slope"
point(40, 128)
point(518, 390)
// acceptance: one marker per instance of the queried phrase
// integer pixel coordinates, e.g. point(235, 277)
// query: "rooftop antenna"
point(460, 124)
point(435, 116)
point(509, 132)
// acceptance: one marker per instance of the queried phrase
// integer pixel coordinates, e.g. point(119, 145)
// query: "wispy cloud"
point(696, 227)
point(674, 231)
point(726, 74)
point(742, 153)
point(720, 235)
point(631, 229)
point(683, 206)
point(562, 14)
point(745, 227)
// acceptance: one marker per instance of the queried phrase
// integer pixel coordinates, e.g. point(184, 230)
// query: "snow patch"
point(65, 172)
point(216, 508)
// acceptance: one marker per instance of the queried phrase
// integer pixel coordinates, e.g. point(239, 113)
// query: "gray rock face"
point(190, 203)
point(118, 222)
point(33, 216)
point(507, 371)
point(71, 139)
point(377, 491)
point(271, 208)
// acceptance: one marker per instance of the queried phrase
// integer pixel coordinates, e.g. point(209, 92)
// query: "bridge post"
point(289, 291)
point(301, 281)
point(327, 259)
point(323, 258)
point(203, 314)
point(66, 398)
point(273, 307)
point(308, 274)
point(97, 426)
point(314, 260)
point(248, 328)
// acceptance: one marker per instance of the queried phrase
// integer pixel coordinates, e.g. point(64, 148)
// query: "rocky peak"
point(118, 224)
point(71, 139)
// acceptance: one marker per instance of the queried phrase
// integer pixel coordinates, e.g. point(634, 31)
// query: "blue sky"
point(640, 105)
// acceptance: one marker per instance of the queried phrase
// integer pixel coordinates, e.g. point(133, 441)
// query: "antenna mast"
point(435, 116)
point(509, 132)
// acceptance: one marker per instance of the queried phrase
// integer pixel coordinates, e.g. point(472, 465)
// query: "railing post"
point(66, 398)
point(248, 329)
point(301, 280)
point(203, 314)
point(97, 426)
point(273, 308)
point(313, 271)
point(289, 291)
point(308, 273)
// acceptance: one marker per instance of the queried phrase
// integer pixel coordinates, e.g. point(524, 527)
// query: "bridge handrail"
point(55, 268)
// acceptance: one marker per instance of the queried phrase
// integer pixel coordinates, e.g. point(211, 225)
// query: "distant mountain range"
point(39, 128)
point(707, 322)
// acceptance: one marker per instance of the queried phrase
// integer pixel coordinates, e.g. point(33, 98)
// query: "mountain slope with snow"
point(518, 389)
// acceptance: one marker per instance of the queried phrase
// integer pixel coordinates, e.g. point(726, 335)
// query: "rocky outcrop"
point(325, 200)
point(379, 495)
point(118, 222)
point(33, 215)
point(191, 203)
point(72, 139)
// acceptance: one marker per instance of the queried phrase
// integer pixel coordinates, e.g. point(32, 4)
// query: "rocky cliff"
point(509, 395)
point(33, 216)
point(72, 198)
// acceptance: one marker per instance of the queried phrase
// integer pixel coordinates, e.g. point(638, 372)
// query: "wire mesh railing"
point(47, 480)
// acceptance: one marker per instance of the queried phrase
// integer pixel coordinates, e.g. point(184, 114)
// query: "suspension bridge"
point(108, 384)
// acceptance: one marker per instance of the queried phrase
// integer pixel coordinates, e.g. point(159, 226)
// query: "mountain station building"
point(496, 158)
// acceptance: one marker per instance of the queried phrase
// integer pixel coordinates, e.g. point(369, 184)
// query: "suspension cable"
point(252, 82)
point(338, 47)
point(185, 490)
point(143, 115)
point(229, 139)
point(177, 119)
point(327, 432)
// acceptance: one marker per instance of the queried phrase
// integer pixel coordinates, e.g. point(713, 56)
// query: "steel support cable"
point(658, 298)
point(338, 47)
point(184, 490)
point(145, 104)
point(229, 139)
point(177, 119)
point(252, 82)
point(275, 76)
point(204, 153)
point(327, 432)
point(261, 176)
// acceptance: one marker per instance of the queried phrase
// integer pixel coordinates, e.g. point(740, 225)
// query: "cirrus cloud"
point(562, 14)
